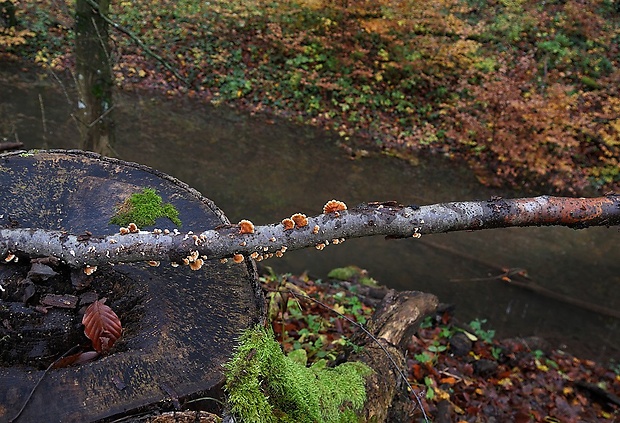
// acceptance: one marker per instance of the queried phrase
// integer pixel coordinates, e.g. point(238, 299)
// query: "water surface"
point(264, 170)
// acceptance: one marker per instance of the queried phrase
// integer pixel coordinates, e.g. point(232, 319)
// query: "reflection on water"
point(264, 172)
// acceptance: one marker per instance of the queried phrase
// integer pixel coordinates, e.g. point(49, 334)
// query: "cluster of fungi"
point(195, 261)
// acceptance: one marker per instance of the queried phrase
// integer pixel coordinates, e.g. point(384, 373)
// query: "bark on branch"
point(389, 219)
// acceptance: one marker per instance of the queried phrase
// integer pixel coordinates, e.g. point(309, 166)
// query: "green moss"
point(264, 385)
point(143, 209)
point(352, 273)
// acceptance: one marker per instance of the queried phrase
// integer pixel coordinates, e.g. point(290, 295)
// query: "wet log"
point(393, 324)
point(180, 325)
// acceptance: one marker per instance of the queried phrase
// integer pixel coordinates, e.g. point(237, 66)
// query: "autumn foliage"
point(524, 91)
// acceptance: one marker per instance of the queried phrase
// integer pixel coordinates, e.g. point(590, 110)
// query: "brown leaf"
point(102, 326)
point(75, 359)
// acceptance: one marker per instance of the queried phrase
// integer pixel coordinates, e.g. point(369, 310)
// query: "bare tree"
point(94, 76)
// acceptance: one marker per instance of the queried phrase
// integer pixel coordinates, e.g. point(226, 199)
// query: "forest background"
point(525, 92)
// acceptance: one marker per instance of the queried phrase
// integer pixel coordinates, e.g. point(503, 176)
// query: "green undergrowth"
point(265, 385)
point(143, 209)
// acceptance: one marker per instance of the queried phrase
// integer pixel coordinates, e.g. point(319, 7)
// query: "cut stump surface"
point(188, 321)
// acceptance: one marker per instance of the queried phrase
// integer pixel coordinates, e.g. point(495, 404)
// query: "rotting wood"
point(394, 322)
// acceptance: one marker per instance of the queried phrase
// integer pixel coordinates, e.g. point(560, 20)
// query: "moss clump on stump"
point(264, 385)
point(143, 209)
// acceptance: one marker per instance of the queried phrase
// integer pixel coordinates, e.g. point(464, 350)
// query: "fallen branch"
point(389, 219)
point(5, 146)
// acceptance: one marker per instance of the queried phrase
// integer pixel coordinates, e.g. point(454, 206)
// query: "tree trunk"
point(394, 323)
point(94, 77)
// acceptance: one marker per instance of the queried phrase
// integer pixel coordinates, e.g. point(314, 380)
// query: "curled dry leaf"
point(102, 326)
point(75, 359)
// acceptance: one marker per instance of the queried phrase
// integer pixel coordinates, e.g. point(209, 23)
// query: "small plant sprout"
point(288, 224)
point(246, 227)
point(89, 270)
point(238, 258)
point(334, 206)
point(10, 257)
point(133, 228)
point(153, 263)
point(300, 219)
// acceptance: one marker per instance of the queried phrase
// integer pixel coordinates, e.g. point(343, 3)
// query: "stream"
point(264, 169)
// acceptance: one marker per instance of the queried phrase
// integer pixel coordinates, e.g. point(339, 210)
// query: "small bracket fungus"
point(246, 227)
point(123, 231)
point(196, 264)
point(300, 219)
point(153, 263)
point(315, 230)
point(238, 258)
point(10, 257)
point(89, 270)
point(288, 224)
point(133, 228)
point(334, 206)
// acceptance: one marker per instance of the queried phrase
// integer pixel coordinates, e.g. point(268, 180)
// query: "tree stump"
point(180, 325)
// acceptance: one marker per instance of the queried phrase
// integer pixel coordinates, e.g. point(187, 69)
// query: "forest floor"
point(459, 371)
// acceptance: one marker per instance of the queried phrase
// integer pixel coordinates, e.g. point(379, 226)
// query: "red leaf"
point(102, 326)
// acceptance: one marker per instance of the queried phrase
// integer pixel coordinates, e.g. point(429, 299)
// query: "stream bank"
point(264, 169)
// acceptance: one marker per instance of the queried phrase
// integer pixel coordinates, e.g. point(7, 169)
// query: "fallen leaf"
point(75, 359)
point(102, 326)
